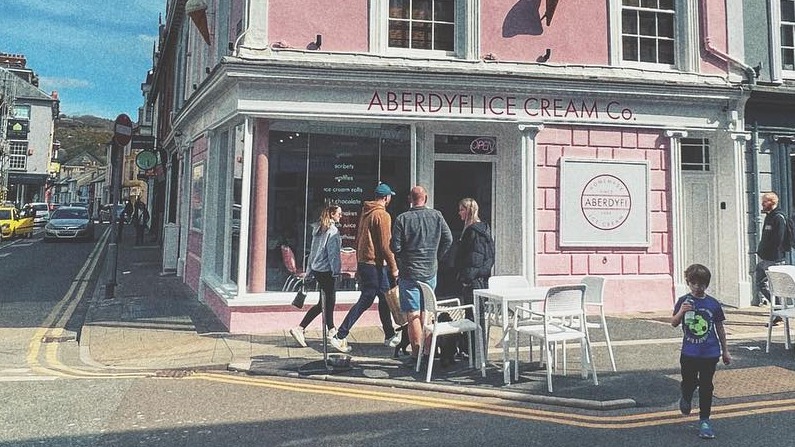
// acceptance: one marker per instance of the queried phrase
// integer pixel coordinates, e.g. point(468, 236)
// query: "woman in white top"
point(324, 265)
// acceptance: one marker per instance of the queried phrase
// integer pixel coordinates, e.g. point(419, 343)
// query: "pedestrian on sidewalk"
point(376, 268)
point(324, 265)
point(140, 218)
point(474, 258)
point(771, 247)
point(420, 239)
point(703, 344)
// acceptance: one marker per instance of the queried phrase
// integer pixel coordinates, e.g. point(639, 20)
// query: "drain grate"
point(174, 373)
point(51, 339)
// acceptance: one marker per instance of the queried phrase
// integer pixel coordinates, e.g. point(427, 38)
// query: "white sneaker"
point(298, 335)
point(331, 333)
point(394, 340)
point(340, 345)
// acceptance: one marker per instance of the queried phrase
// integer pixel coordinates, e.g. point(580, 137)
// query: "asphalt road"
point(50, 399)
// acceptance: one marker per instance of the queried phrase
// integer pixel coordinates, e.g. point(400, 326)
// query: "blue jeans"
point(410, 294)
point(373, 281)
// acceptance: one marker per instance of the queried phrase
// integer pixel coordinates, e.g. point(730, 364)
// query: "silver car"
point(69, 222)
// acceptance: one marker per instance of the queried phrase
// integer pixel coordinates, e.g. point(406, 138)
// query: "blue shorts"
point(410, 295)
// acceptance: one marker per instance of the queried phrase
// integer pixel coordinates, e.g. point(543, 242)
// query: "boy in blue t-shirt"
point(704, 342)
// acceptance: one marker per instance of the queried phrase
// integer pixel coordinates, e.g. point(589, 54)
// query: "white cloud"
point(51, 83)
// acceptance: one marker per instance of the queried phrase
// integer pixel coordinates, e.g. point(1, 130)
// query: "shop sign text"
point(498, 105)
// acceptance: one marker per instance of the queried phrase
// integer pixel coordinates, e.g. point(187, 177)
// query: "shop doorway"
point(453, 181)
point(699, 208)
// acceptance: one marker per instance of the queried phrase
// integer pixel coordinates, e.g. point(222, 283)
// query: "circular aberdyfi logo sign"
point(605, 202)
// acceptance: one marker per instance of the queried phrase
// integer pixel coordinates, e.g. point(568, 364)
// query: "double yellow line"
point(515, 412)
point(53, 327)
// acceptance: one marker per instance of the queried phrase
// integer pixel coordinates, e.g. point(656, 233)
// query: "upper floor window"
point(787, 33)
point(422, 24)
point(648, 31)
point(22, 112)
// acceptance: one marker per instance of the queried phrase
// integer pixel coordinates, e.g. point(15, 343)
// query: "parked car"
point(69, 222)
point(42, 212)
point(104, 212)
point(15, 223)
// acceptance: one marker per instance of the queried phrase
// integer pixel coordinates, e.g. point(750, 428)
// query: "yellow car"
point(15, 223)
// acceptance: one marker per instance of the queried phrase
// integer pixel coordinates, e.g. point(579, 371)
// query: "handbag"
point(298, 301)
point(393, 301)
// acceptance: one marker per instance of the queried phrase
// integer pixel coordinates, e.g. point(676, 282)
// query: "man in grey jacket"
point(420, 237)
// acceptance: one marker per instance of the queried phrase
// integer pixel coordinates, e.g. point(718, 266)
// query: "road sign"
point(144, 142)
point(146, 160)
point(122, 130)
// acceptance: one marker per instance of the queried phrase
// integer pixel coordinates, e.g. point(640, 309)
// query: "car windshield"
point(5, 214)
point(63, 213)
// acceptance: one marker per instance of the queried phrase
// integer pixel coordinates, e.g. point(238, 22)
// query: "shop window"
point(695, 154)
point(312, 167)
point(18, 155)
point(197, 197)
point(647, 31)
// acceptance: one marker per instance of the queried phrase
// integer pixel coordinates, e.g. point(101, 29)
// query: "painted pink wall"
point(646, 269)
point(713, 25)
point(578, 32)
point(344, 25)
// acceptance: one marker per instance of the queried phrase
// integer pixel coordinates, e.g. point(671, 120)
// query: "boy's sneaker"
point(298, 335)
point(705, 430)
point(684, 406)
point(393, 341)
point(331, 333)
point(340, 345)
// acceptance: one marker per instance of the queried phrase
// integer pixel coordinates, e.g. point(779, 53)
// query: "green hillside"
point(78, 134)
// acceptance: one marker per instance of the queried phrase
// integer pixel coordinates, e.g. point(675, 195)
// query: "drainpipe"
point(750, 73)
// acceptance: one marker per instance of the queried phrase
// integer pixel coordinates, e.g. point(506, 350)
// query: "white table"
point(503, 298)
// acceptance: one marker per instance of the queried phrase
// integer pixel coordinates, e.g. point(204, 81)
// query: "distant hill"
point(78, 134)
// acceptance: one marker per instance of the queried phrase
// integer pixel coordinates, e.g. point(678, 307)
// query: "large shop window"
point(647, 31)
point(311, 167)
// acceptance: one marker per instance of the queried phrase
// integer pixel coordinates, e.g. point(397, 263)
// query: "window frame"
point(686, 39)
point(466, 34)
point(776, 43)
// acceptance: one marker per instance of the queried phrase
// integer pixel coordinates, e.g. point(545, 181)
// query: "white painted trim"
point(739, 196)
point(245, 200)
point(529, 216)
point(677, 213)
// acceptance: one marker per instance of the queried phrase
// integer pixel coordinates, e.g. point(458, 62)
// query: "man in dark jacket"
point(420, 237)
point(770, 249)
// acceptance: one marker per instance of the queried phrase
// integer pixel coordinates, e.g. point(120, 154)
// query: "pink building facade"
point(599, 137)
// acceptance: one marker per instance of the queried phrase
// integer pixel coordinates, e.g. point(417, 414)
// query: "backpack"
point(789, 233)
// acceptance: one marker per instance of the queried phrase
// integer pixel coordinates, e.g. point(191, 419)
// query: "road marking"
point(515, 412)
point(3, 255)
point(64, 308)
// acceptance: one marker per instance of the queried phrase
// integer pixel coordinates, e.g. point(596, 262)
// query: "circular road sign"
point(122, 130)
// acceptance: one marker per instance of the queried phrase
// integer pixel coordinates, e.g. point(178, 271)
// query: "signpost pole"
point(122, 132)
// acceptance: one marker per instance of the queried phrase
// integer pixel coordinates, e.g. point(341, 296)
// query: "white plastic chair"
point(562, 303)
point(782, 299)
point(433, 328)
point(594, 297)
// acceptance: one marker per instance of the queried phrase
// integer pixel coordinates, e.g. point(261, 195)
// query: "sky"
point(94, 53)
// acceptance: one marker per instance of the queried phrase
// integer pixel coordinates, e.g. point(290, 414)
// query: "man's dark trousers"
point(373, 281)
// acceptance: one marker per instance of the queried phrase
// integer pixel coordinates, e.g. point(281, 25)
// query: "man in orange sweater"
point(376, 268)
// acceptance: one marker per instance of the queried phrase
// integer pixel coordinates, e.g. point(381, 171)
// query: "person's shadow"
point(523, 18)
